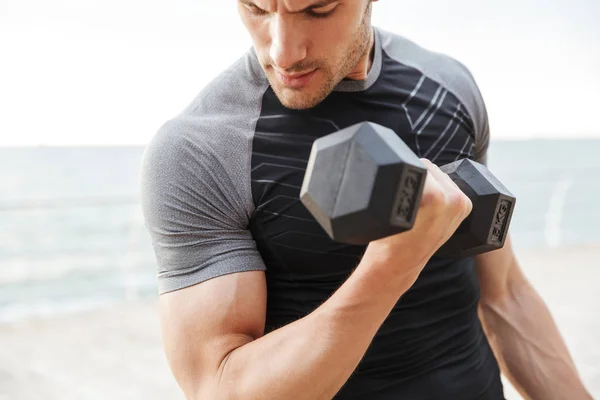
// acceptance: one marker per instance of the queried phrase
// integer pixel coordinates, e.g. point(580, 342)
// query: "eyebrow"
point(318, 4)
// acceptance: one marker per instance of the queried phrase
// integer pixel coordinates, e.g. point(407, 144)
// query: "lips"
point(295, 81)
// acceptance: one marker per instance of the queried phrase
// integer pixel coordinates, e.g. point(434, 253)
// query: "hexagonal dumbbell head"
point(485, 229)
point(363, 183)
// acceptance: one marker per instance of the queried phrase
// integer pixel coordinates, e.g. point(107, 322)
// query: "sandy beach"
point(115, 352)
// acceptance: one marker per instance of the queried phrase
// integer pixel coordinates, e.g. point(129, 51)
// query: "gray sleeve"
point(449, 73)
point(457, 78)
point(196, 205)
point(470, 95)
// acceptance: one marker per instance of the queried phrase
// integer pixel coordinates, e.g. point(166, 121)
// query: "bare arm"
point(522, 332)
point(214, 341)
point(213, 331)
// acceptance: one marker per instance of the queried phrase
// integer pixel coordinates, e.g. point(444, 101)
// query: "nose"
point(287, 45)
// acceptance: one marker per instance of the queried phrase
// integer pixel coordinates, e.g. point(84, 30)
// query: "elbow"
point(204, 385)
point(219, 386)
point(210, 391)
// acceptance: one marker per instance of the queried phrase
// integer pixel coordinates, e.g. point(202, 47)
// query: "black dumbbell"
point(364, 183)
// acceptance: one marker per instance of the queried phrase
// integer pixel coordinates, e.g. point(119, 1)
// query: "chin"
point(299, 99)
point(302, 98)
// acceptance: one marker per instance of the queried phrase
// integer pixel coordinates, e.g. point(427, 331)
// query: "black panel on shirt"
point(432, 345)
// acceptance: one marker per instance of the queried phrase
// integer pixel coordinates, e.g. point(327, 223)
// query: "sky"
point(111, 72)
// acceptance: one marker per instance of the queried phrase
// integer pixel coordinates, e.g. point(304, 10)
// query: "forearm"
point(313, 357)
point(529, 347)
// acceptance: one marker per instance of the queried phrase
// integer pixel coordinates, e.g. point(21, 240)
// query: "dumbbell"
point(364, 183)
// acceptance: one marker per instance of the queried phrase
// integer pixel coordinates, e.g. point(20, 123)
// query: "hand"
point(443, 207)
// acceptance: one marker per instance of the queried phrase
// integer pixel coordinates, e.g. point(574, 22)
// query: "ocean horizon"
point(72, 235)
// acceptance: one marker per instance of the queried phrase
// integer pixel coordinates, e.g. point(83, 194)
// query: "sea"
point(72, 235)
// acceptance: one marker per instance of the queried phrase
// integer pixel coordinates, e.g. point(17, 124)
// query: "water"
point(72, 234)
point(71, 230)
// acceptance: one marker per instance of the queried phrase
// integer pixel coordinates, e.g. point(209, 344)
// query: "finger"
point(432, 187)
point(450, 189)
point(443, 180)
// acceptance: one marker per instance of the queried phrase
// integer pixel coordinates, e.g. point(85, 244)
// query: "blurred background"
point(85, 84)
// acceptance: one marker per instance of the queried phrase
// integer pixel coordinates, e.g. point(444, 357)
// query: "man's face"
point(306, 47)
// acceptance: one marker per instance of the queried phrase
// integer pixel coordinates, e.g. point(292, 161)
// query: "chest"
point(426, 117)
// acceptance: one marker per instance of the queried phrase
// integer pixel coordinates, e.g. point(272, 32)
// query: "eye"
point(254, 9)
point(323, 12)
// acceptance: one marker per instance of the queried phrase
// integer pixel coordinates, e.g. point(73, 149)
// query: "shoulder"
point(448, 72)
point(440, 67)
point(209, 142)
point(232, 99)
point(219, 121)
point(235, 92)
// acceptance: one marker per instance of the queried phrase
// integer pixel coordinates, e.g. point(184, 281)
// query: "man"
point(258, 303)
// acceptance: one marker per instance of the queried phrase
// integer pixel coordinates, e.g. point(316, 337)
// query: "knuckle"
point(456, 200)
point(463, 204)
point(440, 198)
point(435, 197)
point(469, 206)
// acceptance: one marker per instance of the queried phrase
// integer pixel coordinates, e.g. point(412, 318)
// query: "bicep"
point(203, 323)
point(210, 274)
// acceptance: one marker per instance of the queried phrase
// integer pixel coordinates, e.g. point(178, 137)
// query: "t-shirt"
point(221, 184)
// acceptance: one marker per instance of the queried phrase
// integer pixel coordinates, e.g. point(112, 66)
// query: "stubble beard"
point(357, 47)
